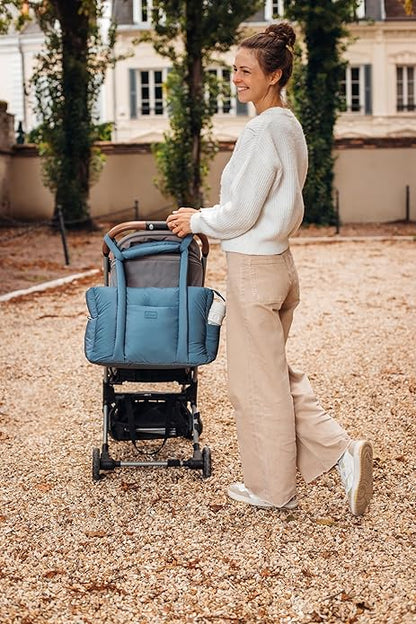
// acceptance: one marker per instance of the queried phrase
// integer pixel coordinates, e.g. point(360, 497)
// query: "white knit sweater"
point(261, 203)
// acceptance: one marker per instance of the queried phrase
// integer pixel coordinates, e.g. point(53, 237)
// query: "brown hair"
point(274, 49)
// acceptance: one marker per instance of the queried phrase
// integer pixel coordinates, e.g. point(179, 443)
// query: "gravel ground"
point(165, 546)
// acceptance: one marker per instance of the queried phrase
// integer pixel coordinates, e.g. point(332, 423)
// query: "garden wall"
point(371, 176)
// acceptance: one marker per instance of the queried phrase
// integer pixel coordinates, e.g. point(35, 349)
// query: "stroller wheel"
point(206, 462)
point(96, 464)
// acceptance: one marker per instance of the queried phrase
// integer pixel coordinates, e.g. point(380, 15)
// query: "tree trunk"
point(195, 79)
point(73, 186)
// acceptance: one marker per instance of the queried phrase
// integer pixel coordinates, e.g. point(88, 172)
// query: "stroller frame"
point(187, 378)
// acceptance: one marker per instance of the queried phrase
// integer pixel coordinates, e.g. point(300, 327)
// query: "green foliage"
point(67, 78)
point(103, 131)
point(12, 15)
point(174, 155)
point(315, 93)
point(189, 33)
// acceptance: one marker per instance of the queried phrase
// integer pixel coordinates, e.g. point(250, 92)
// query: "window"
point(270, 10)
point(355, 89)
point(351, 89)
point(146, 92)
point(360, 10)
point(222, 103)
point(405, 87)
point(142, 12)
point(273, 9)
point(226, 102)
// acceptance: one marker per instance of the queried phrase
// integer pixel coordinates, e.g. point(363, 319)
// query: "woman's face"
point(252, 84)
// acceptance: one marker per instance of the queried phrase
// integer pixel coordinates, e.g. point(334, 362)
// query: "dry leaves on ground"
point(155, 545)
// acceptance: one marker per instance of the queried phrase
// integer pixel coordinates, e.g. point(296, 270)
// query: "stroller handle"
point(149, 225)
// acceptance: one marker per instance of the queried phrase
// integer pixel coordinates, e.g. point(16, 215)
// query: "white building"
point(379, 84)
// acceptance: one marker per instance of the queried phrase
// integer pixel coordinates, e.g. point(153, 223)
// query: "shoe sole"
point(241, 498)
point(362, 490)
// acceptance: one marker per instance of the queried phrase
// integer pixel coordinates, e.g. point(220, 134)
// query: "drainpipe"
point(22, 69)
point(115, 102)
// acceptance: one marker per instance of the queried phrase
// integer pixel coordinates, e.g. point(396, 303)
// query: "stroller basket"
point(151, 322)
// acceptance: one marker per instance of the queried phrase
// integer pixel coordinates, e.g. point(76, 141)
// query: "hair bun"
point(282, 31)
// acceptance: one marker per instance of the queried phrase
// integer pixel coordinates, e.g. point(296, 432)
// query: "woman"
point(280, 424)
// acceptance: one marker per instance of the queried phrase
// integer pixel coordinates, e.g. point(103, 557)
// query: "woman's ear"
point(276, 75)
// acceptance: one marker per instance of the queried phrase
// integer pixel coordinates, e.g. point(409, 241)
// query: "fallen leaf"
point(43, 487)
point(215, 507)
point(325, 521)
point(52, 573)
point(364, 605)
point(95, 533)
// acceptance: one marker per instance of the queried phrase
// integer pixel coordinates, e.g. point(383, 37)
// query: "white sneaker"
point(356, 471)
point(239, 492)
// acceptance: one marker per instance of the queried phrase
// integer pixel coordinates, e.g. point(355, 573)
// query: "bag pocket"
point(100, 334)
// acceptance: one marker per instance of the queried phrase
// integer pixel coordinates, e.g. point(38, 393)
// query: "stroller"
point(152, 322)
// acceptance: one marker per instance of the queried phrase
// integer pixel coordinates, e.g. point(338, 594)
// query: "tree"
point(316, 93)
point(189, 32)
point(67, 79)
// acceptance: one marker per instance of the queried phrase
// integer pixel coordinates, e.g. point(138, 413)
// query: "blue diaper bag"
point(150, 327)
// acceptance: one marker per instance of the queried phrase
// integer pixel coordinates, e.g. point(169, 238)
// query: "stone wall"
point(371, 176)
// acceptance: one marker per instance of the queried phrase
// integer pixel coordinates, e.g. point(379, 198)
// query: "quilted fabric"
point(148, 334)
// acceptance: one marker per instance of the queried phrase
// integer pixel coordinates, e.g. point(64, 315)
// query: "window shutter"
point(242, 108)
point(368, 103)
point(133, 93)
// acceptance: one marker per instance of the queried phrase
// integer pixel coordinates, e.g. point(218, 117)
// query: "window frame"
point(137, 87)
point(406, 106)
point(138, 11)
point(236, 109)
point(269, 12)
point(361, 10)
point(349, 84)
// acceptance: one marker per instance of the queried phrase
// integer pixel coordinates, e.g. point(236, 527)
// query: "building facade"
point(379, 85)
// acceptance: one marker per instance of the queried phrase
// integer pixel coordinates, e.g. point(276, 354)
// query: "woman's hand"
point(180, 221)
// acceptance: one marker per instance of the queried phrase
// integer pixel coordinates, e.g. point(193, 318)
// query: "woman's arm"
point(256, 167)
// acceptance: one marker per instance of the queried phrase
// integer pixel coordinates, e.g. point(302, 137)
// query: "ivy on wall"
point(189, 32)
point(69, 72)
point(315, 93)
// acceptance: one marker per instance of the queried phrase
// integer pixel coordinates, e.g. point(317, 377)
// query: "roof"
point(122, 12)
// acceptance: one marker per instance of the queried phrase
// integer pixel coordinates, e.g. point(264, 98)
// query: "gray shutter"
point(368, 101)
point(373, 9)
point(133, 93)
point(242, 108)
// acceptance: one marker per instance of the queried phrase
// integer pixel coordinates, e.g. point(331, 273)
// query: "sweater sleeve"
point(256, 166)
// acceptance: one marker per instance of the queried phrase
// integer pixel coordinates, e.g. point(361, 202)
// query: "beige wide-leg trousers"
point(280, 424)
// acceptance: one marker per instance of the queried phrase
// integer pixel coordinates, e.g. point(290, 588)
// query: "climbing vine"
point(315, 93)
